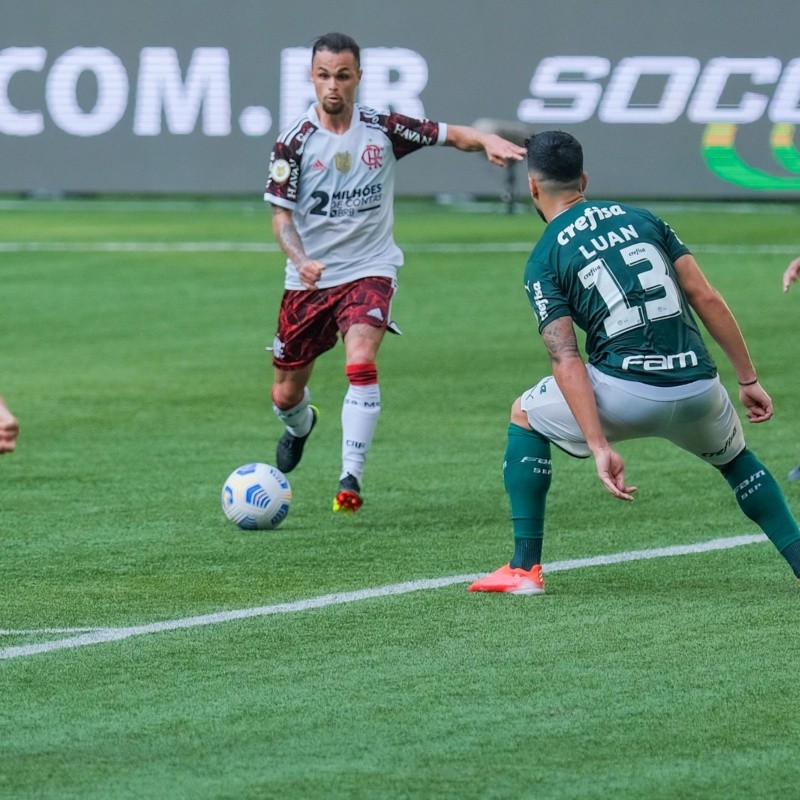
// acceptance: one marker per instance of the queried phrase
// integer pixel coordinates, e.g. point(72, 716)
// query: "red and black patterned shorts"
point(309, 321)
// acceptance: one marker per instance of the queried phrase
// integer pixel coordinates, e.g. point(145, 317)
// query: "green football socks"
point(527, 473)
point(762, 500)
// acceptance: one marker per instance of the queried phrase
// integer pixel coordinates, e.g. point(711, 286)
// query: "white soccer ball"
point(256, 497)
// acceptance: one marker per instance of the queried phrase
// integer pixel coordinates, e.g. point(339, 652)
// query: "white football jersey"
point(340, 190)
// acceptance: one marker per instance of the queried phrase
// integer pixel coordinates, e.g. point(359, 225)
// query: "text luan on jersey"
point(588, 222)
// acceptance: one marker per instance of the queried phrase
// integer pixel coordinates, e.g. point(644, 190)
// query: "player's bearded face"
point(335, 77)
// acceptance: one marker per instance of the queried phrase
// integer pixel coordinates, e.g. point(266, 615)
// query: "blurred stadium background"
point(694, 101)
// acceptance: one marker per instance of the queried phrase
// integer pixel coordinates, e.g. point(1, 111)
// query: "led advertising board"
point(698, 100)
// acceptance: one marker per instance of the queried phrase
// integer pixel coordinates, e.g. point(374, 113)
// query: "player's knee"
point(286, 395)
point(742, 457)
point(518, 416)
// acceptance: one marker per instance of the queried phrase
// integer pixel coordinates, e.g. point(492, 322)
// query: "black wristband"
point(749, 383)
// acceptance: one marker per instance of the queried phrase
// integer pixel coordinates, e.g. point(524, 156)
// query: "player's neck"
point(562, 203)
point(335, 123)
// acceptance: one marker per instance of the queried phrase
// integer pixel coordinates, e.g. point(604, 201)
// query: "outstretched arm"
point(721, 324)
point(573, 380)
point(792, 274)
point(498, 150)
point(285, 233)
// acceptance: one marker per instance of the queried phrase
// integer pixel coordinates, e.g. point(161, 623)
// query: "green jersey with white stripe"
point(610, 267)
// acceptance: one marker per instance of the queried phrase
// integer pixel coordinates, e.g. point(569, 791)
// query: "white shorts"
point(698, 417)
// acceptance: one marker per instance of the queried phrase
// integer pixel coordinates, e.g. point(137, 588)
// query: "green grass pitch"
point(132, 340)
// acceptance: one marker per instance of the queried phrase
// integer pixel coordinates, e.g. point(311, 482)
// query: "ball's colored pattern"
point(256, 497)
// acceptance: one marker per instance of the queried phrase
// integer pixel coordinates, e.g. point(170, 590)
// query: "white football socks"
point(297, 419)
point(360, 411)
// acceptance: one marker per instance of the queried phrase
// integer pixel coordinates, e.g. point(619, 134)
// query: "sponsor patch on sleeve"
point(279, 171)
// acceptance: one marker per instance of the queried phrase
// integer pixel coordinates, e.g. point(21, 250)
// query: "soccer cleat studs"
point(348, 500)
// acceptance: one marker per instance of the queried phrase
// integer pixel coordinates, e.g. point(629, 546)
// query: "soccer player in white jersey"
point(331, 186)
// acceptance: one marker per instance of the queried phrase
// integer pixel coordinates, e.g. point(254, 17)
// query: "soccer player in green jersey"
point(622, 276)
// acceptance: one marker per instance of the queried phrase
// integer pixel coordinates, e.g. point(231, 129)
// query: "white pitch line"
point(249, 247)
point(271, 247)
point(102, 635)
point(139, 247)
point(192, 205)
point(40, 631)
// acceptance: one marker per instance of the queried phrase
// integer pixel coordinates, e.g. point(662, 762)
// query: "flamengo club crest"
point(343, 161)
point(373, 156)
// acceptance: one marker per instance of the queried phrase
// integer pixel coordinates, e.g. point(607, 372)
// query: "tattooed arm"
point(573, 380)
point(285, 232)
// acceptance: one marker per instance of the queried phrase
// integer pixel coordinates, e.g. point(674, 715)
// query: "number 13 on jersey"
point(622, 315)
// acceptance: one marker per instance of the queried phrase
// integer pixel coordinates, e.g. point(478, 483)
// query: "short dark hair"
point(555, 156)
point(337, 43)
